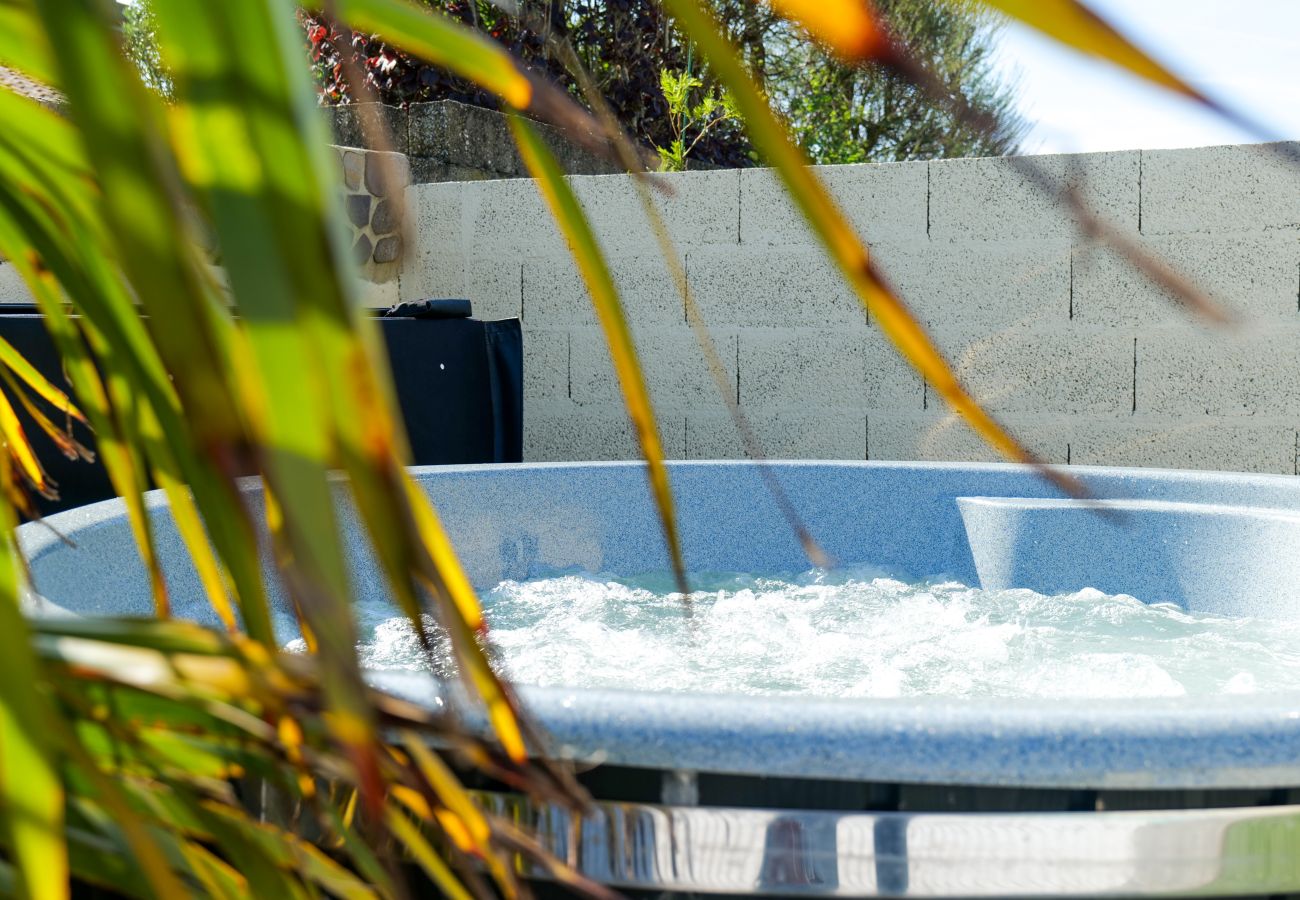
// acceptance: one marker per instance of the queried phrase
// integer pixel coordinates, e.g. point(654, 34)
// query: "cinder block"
point(789, 287)
point(509, 217)
point(432, 274)
point(555, 294)
point(574, 157)
point(1070, 370)
point(12, 287)
point(854, 368)
point(998, 199)
point(495, 286)
point(676, 369)
point(434, 261)
point(1263, 445)
point(475, 140)
point(798, 433)
point(942, 436)
point(698, 208)
point(1198, 371)
point(377, 296)
point(492, 284)
point(1251, 276)
point(884, 202)
point(546, 365)
point(562, 431)
point(981, 283)
point(437, 216)
point(1214, 189)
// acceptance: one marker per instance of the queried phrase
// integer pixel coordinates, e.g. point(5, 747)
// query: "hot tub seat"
point(1205, 557)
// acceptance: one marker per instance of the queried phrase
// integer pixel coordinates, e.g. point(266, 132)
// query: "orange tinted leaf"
point(849, 27)
point(448, 789)
point(423, 854)
point(68, 445)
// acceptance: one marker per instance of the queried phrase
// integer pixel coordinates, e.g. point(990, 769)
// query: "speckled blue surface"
point(1212, 558)
point(1212, 541)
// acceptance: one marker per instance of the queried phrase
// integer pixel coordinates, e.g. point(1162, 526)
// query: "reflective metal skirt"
point(1235, 851)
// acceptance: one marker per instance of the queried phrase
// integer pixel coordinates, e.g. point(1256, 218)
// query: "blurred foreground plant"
point(128, 748)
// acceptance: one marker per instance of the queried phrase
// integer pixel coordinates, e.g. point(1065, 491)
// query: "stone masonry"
point(374, 186)
point(450, 141)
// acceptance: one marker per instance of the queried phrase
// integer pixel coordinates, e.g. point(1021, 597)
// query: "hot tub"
point(923, 796)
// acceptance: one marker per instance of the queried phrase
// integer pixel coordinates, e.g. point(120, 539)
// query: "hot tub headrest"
point(1229, 560)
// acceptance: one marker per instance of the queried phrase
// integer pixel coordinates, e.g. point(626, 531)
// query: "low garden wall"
point(1076, 351)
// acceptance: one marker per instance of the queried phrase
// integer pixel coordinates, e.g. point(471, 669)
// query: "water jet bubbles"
point(857, 632)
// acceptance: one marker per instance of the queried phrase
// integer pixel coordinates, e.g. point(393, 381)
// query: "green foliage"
point(837, 114)
point(688, 116)
point(869, 114)
point(140, 41)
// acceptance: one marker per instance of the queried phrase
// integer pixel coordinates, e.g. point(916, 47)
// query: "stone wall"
point(450, 141)
point(374, 186)
point(1074, 349)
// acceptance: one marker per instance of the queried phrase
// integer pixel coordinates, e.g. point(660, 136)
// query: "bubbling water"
point(854, 632)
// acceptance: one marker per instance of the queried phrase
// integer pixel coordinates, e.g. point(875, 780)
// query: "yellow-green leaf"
point(425, 856)
point(38, 382)
point(20, 449)
point(31, 793)
point(595, 273)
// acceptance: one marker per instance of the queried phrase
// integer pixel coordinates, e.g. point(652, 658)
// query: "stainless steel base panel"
point(694, 849)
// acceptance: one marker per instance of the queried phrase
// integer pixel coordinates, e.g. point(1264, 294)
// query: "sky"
point(1246, 53)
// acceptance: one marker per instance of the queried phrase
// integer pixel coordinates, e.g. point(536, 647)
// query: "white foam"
point(856, 633)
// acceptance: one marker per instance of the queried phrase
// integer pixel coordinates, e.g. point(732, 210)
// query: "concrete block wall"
point(1074, 349)
point(12, 287)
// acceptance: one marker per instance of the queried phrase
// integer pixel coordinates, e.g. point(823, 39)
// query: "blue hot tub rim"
point(1233, 742)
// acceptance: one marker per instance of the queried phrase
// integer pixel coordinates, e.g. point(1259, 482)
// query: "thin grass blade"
point(586, 252)
point(38, 382)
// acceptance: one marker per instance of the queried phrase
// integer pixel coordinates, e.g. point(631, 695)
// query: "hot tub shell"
point(1053, 771)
